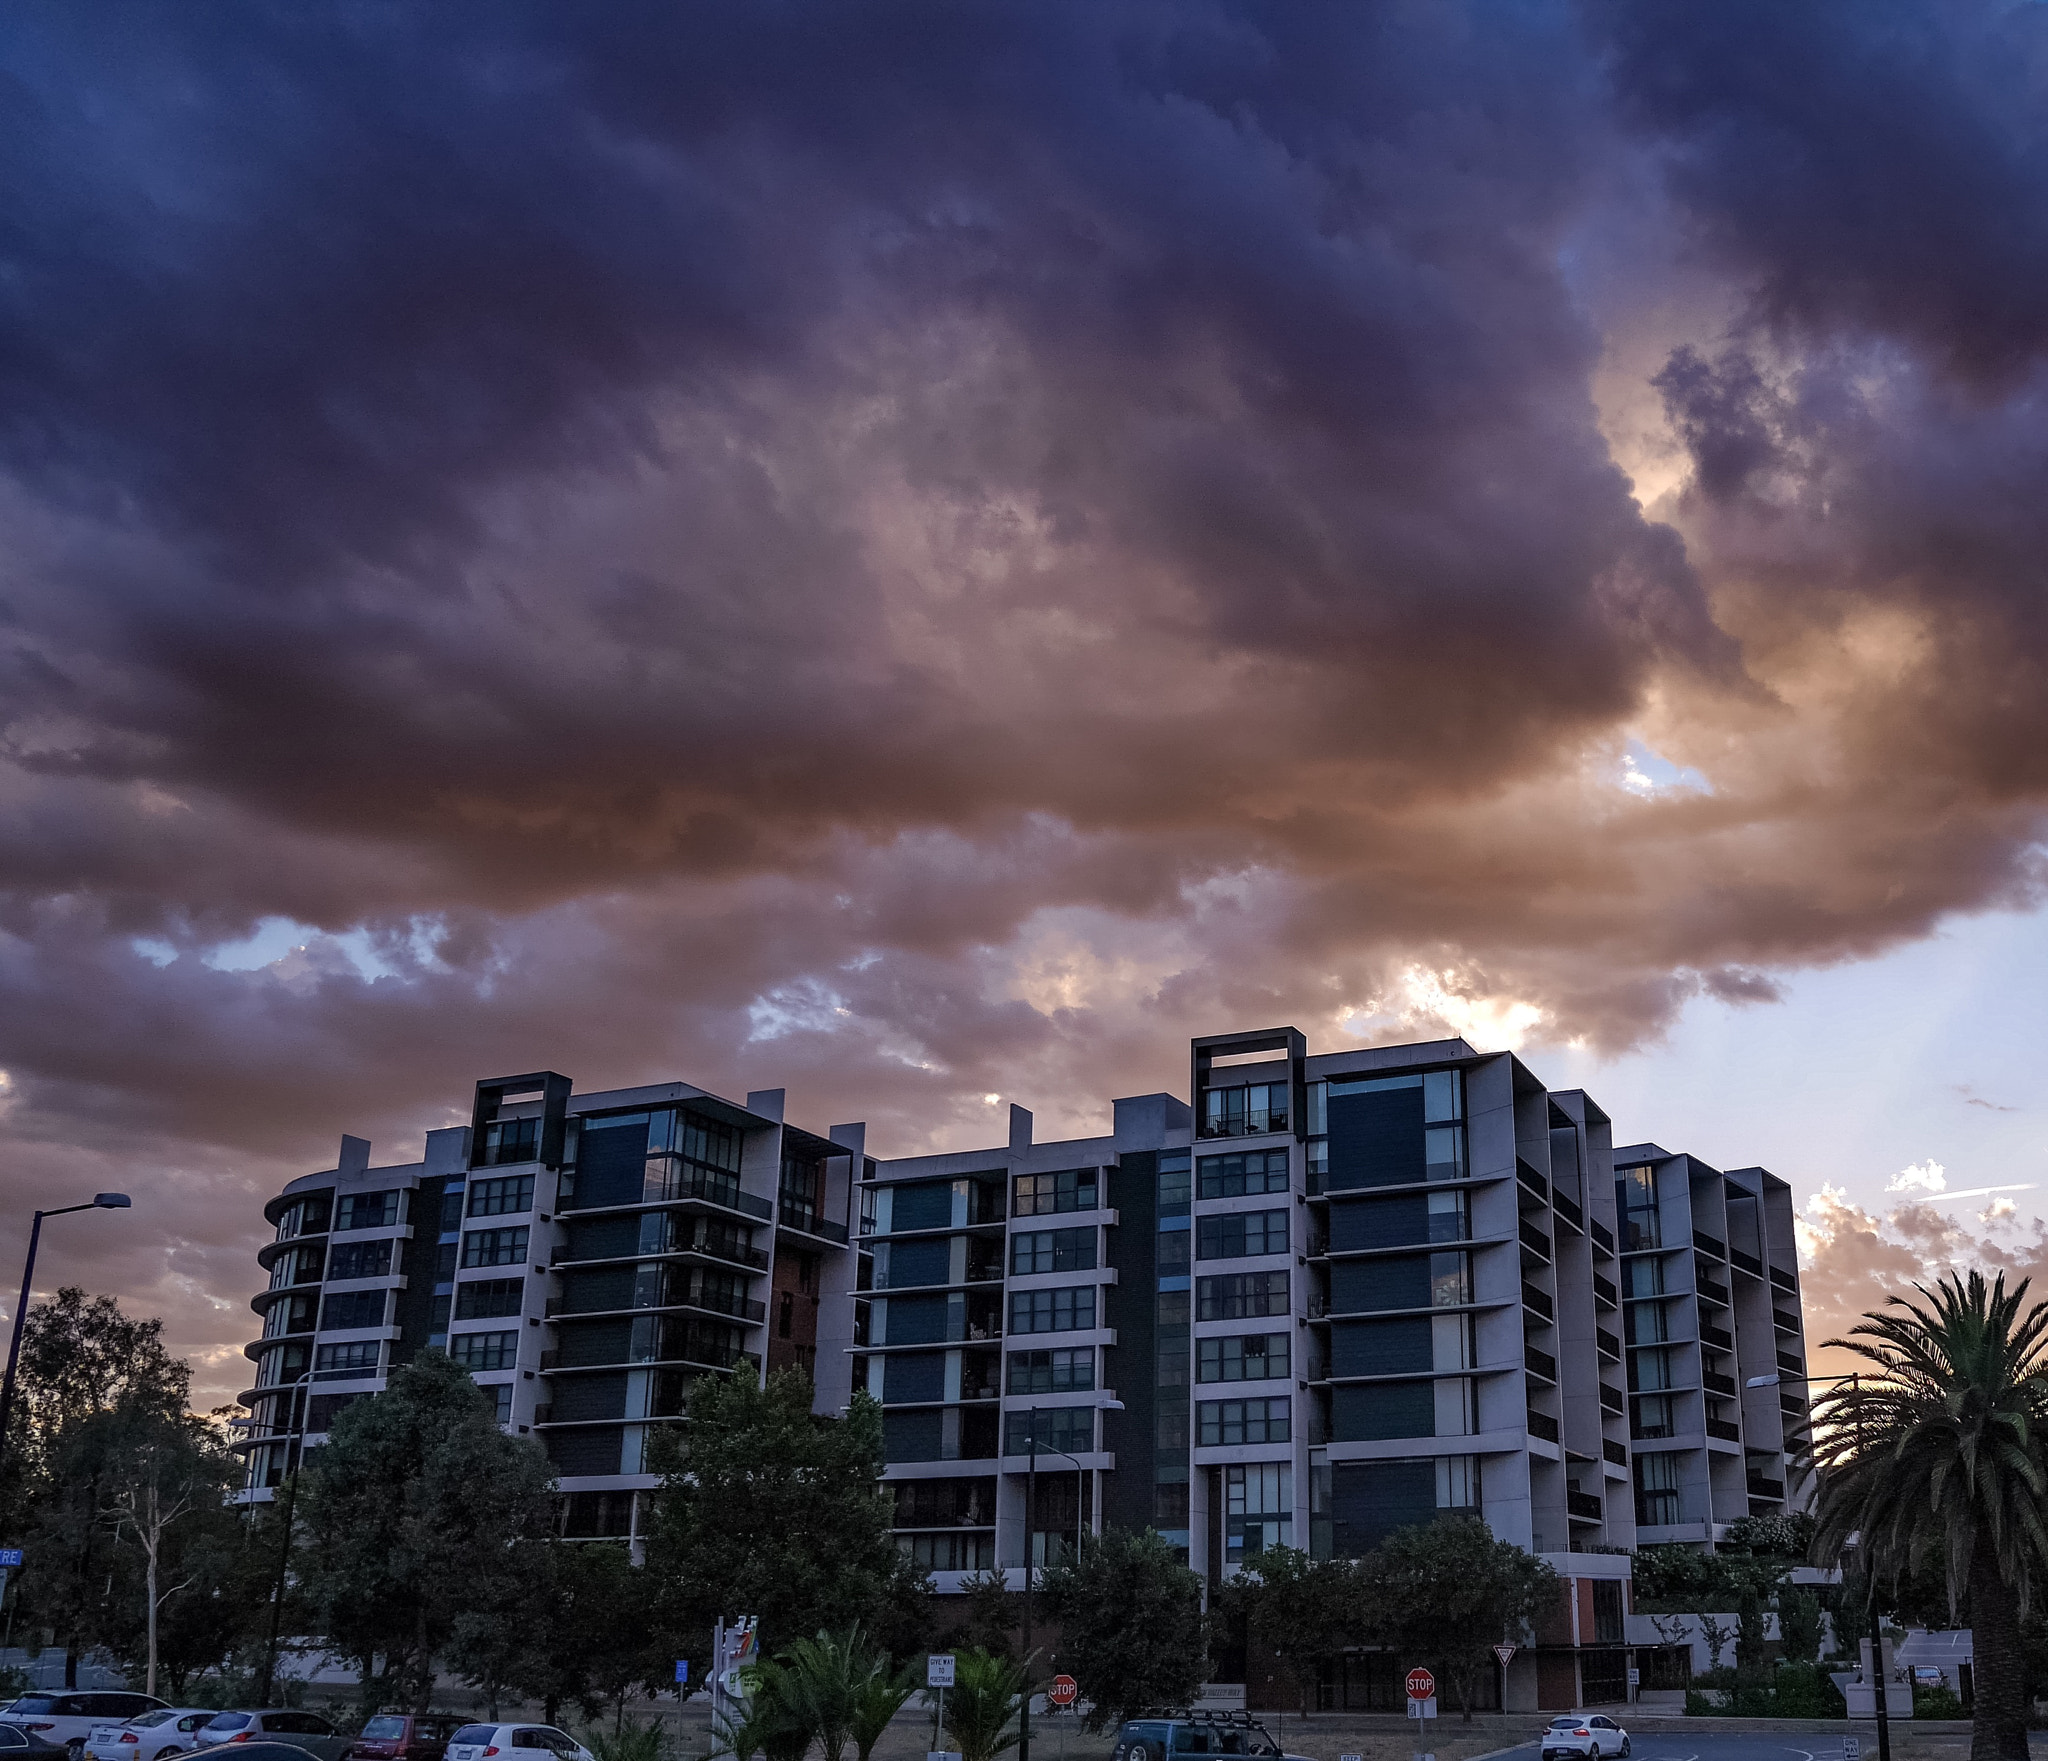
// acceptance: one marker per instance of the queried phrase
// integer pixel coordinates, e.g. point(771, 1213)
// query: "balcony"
point(1536, 1301)
point(1535, 1240)
point(1713, 1336)
point(1722, 1429)
point(1785, 1281)
point(1784, 1321)
point(1603, 1237)
point(1746, 1262)
point(1543, 1425)
point(1569, 1211)
point(1611, 1399)
point(1532, 1180)
point(1614, 1452)
point(1604, 1292)
point(1761, 1486)
point(1541, 1363)
point(1583, 1506)
point(1709, 1291)
point(1790, 1366)
point(806, 1221)
point(1609, 1346)
point(1716, 1383)
point(1710, 1244)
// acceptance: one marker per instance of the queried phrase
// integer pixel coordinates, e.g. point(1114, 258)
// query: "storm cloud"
point(915, 551)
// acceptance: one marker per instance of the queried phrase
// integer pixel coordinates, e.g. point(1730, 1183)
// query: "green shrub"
point(632, 1741)
point(1938, 1702)
point(1804, 1690)
point(1696, 1705)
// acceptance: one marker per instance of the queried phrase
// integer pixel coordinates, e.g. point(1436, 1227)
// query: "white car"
point(515, 1742)
point(1584, 1733)
point(68, 1716)
point(172, 1730)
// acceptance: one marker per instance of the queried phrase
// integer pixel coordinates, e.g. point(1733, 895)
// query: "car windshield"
point(384, 1730)
point(33, 1703)
point(148, 1720)
point(1564, 1724)
point(230, 1721)
point(473, 1733)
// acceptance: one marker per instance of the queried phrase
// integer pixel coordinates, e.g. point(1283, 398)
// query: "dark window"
point(1241, 1296)
point(1243, 1421)
point(1409, 1281)
point(1245, 1111)
point(1053, 1311)
point(1174, 1246)
point(1641, 1226)
point(352, 1308)
point(916, 1435)
point(1041, 1195)
point(910, 1377)
point(494, 1247)
point(1052, 1372)
point(1240, 1235)
point(1235, 1176)
point(1412, 1219)
point(1607, 1613)
point(366, 1210)
point(489, 1299)
point(1241, 1357)
point(1381, 1410)
point(359, 1357)
point(451, 1210)
point(1382, 1348)
point(1070, 1429)
point(510, 1140)
point(485, 1351)
point(785, 1313)
point(928, 1204)
point(1053, 1250)
point(503, 1197)
point(359, 1259)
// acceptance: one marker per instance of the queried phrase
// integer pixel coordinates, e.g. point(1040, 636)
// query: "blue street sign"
point(682, 1669)
point(10, 1558)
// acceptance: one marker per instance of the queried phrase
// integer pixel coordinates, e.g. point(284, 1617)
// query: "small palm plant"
point(1940, 1451)
point(770, 1725)
point(875, 1703)
point(822, 1679)
point(981, 1704)
point(632, 1741)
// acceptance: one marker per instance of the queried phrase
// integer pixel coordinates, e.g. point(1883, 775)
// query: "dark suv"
point(406, 1736)
point(1167, 1736)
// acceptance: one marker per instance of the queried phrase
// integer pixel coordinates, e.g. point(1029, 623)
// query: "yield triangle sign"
point(1505, 1653)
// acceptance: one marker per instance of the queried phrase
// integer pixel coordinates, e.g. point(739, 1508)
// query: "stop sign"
point(1421, 1685)
point(1062, 1690)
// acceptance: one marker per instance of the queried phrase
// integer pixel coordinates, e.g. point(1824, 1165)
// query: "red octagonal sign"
point(1063, 1690)
point(1421, 1685)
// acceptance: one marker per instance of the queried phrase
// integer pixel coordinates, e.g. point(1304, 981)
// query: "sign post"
point(938, 1675)
point(1422, 1706)
point(1060, 1694)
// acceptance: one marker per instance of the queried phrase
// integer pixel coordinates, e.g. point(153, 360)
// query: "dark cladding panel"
point(1376, 1139)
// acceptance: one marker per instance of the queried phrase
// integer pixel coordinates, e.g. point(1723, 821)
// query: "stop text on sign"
point(1421, 1685)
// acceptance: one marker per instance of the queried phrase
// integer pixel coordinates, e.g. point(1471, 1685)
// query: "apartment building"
point(1324, 1296)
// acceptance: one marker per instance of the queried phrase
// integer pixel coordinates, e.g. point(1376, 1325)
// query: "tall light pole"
point(291, 1498)
point(1884, 1723)
point(101, 1201)
point(1101, 1404)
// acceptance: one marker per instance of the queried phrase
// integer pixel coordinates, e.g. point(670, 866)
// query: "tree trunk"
point(150, 1587)
point(1998, 1730)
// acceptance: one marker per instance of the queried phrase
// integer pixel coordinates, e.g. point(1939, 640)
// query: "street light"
point(297, 1421)
point(101, 1201)
point(1101, 1403)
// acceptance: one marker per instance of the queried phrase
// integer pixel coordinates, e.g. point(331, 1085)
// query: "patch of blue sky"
point(1647, 772)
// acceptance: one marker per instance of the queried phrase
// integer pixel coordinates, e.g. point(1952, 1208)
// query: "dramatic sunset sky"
point(922, 553)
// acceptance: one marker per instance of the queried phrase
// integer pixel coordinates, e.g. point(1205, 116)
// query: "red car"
point(406, 1736)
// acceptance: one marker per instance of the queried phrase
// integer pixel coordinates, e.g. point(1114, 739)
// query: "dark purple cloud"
point(916, 552)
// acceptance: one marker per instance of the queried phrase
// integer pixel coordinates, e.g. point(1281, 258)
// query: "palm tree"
point(769, 1725)
point(822, 1679)
point(1940, 1450)
point(986, 1693)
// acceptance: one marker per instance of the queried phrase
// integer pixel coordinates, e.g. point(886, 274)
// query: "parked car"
point(303, 1730)
point(173, 1730)
point(515, 1742)
point(262, 1749)
point(67, 1719)
point(407, 1736)
point(1584, 1733)
point(17, 1744)
point(1212, 1732)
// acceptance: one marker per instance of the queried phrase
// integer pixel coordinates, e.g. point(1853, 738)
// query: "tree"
point(1133, 1633)
point(1799, 1625)
point(167, 1483)
point(1446, 1592)
point(982, 1704)
point(823, 1680)
point(81, 1358)
point(992, 1613)
point(594, 1636)
point(766, 1509)
point(1750, 1642)
point(876, 1704)
point(1295, 1608)
point(1937, 1452)
point(418, 1511)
